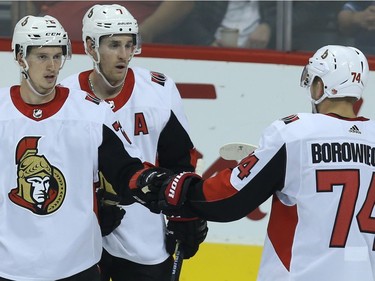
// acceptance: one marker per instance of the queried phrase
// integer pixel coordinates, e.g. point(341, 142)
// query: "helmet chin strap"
point(25, 74)
point(314, 103)
point(29, 83)
point(97, 69)
point(314, 108)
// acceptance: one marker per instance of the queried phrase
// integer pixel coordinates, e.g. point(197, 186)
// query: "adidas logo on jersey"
point(354, 129)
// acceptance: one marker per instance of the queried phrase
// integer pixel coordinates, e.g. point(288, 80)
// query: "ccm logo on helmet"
point(53, 34)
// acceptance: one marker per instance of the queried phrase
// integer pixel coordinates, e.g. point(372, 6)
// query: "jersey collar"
point(359, 118)
point(39, 112)
point(121, 99)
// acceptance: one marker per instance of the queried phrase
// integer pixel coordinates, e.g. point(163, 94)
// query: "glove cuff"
point(175, 192)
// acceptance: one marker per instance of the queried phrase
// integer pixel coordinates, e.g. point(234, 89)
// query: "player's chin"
point(50, 81)
point(119, 76)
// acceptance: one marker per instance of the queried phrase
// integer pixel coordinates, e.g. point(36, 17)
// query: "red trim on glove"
point(174, 191)
point(133, 179)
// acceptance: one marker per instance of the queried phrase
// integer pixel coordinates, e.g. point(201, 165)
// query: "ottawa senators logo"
point(41, 187)
point(25, 21)
point(90, 13)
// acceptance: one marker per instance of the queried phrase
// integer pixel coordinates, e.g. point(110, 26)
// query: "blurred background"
point(237, 65)
point(277, 25)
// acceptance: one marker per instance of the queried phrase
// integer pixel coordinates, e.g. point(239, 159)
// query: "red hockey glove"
point(160, 191)
point(173, 191)
point(189, 232)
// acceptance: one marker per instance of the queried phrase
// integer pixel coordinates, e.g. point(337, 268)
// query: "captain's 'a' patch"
point(290, 119)
point(158, 78)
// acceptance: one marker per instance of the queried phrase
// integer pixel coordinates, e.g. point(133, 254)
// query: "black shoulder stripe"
point(92, 99)
point(290, 119)
point(158, 78)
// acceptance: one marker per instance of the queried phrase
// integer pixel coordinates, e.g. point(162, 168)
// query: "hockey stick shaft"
point(177, 265)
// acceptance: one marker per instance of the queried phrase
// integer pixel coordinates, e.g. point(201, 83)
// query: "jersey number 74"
point(349, 181)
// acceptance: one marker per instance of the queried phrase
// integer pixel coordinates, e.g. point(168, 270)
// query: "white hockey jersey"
point(150, 109)
point(50, 154)
point(320, 170)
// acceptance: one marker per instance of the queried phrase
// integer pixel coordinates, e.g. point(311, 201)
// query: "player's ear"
point(317, 88)
point(20, 60)
point(90, 46)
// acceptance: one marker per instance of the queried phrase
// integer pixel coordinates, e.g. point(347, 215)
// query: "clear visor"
point(58, 58)
point(305, 80)
point(68, 54)
point(138, 39)
point(67, 49)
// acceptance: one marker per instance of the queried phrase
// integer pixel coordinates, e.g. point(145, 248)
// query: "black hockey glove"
point(190, 232)
point(109, 213)
point(160, 191)
point(146, 184)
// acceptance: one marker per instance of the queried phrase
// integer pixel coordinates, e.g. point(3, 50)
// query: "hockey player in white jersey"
point(53, 141)
point(319, 169)
point(149, 105)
